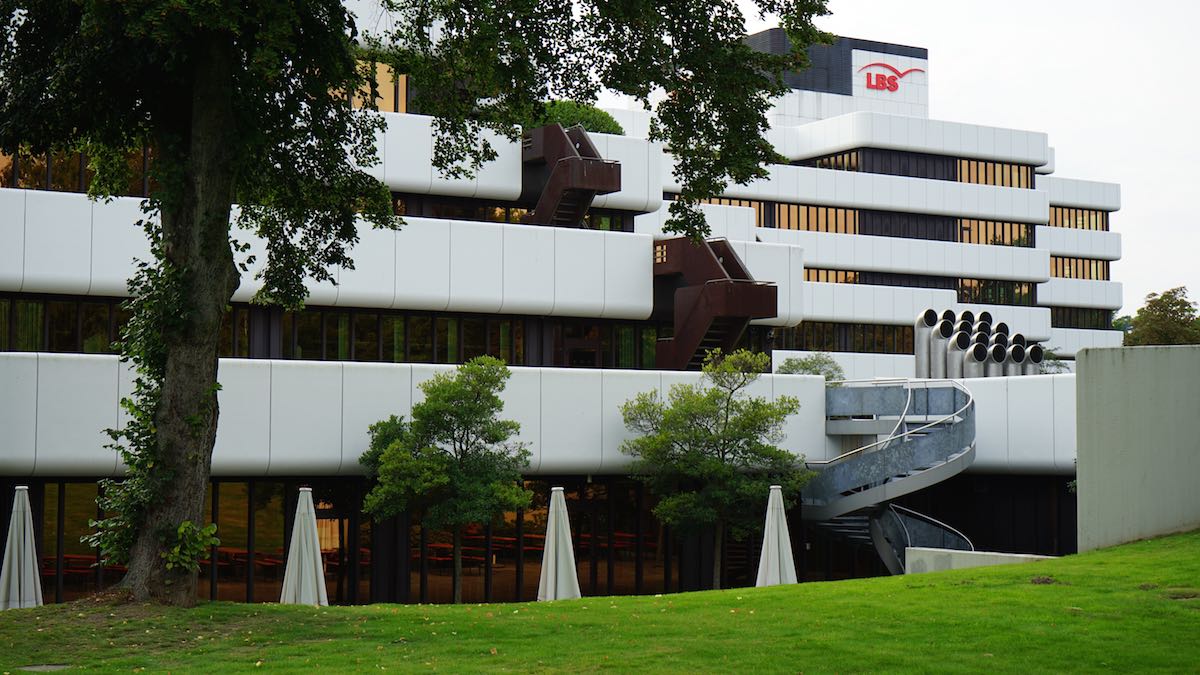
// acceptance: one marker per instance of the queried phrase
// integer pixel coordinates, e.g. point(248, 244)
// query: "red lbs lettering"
point(882, 82)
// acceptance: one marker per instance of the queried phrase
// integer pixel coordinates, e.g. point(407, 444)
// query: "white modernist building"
point(881, 214)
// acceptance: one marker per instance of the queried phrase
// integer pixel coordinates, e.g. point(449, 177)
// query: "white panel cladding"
point(1032, 322)
point(868, 253)
point(116, 241)
point(912, 86)
point(58, 240)
point(1070, 241)
point(1048, 167)
point(501, 177)
point(299, 397)
point(628, 277)
point(372, 282)
point(408, 143)
point(912, 134)
point(76, 401)
point(18, 413)
point(303, 418)
point(571, 421)
point(245, 426)
point(1081, 293)
point(1068, 341)
point(528, 270)
point(857, 190)
point(851, 303)
point(423, 264)
point(635, 122)
point(579, 272)
point(12, 238)
point(1080, 193)
point(641, 160)
point(476, 267)
point(1024, 424)
point(857, 366)
point(784, 266)
point(735, 223)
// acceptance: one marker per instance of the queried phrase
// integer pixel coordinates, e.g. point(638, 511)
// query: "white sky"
point(1114, 84)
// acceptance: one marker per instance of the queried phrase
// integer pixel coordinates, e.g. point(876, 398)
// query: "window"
point(1081, 317)
point(997, 292)
point(366, 337)
point(1080, 219)
point(846, 337)
point(1079, 268)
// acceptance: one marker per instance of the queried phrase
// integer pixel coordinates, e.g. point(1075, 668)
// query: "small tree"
point(820, 363)
point(1166, 319)
point(570, 113)
point(454, 462)
point(709, 451)
point(1052, 363)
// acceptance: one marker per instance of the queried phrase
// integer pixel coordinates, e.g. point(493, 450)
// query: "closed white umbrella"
point(304, 579)
point(20, 582)
point(560, 580)
point(776, 566)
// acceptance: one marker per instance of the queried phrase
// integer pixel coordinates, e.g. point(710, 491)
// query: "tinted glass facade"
point(827, 336)
point(974, 291)
point(1081, 317)
point(923, 165)
point(1080, 219)
point(1079, 268)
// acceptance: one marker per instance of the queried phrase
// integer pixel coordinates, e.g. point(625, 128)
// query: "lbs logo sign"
point(883, 81)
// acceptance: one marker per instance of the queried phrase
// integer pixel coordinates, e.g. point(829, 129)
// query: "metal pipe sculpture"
point(967, 315)
point(1018, 339)
point(922, 329)
point(984, 316)
point(938, 342)
point(1014, 363)
point(1000, 327)
point(980, 338)
point(948, 315)
point(956, 350)
point(995, 362)
point(998, 339)
point(1034, 356)
point(974, 361)
point(983, 327)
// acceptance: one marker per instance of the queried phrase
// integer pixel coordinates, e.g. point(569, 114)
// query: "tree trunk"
point(718, 545)
point(457, 565)
point(195, 222)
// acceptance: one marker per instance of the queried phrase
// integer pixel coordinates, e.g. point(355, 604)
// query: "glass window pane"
point(337, 336)
point(93, 320)
point(474, 336)
point(448, 347)
point(420, 338)
point(4, 321)
point(392, 335)
point(308, 335)
point(62, 322)
point(27, 325)
point(366, 337)
point(518, 342)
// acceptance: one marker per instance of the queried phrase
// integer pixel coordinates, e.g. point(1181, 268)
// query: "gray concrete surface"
point(1138, 420)
point(918, 560)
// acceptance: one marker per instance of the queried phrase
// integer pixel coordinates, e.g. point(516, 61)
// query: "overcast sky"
point(1114, 84)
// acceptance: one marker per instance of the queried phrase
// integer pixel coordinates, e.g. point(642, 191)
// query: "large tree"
point(710, 450)
point(454, 464)
point(1168, 318)
point(248, 102)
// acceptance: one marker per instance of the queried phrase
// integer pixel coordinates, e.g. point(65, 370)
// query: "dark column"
point(250, 541)
point(424, 592)
point(213, 553)
point(666, 537)
point(610, 534)
point(355, 549)
point(593, 544)
point(520, 554)
point(404, 552)
point(638, 550)
point(59, 525)
point(487, 563)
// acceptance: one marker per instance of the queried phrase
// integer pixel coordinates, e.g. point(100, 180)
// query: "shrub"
point(570, 113)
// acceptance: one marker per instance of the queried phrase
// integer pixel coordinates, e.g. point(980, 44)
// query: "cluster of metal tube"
point(962, 345)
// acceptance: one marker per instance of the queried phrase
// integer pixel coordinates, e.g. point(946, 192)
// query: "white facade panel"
point(76, 401)
point(372, 282)
point(1072, 242)
point(12, 238)
point(116, 241)
point(617, 387)
point(1080, 293)
point(628, 276)
point(522, 398)
point(306, 419)
point(476, 267)
point(641, 168)
point(735, 223)
point(18, 413)
point(244, 429)
point(1068, 341)
point(408, 153)
point(528, 270)
point(370, 393)
point(578, 273)
point(571, 421)
point(58, 241)
point(423, 265)
point(1084, 194)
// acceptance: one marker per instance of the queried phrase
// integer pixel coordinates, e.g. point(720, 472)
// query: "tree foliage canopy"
point(709, 452)
point(820, 363)
point(1168, 318)
point(571, 113)
point(492, 68)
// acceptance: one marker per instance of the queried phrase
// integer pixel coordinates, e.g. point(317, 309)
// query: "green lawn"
point(1136, 607)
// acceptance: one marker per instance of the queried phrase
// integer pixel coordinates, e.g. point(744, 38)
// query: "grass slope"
point(1134, 607)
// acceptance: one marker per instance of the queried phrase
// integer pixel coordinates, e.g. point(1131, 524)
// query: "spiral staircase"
point(926, 432)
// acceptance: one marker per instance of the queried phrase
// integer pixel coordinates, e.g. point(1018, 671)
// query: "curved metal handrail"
point(928, 519)
point(908, 382)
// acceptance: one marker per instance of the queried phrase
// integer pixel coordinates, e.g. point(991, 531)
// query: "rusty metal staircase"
point(562, 173)
point(710, 296)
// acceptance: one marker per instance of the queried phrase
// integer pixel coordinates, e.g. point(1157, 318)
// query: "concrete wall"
point(1138, 443)
point(918, 560)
